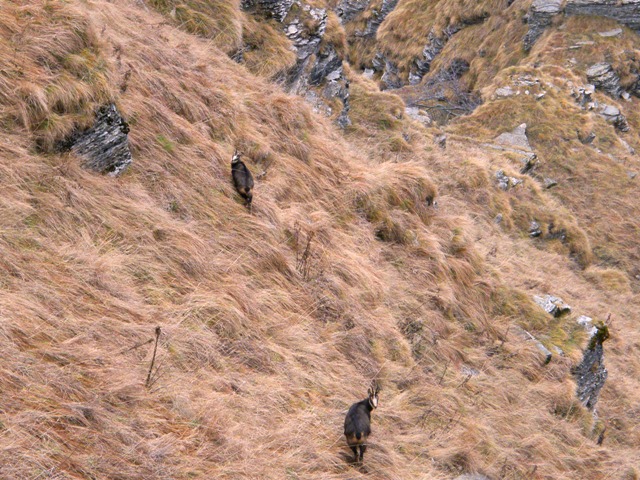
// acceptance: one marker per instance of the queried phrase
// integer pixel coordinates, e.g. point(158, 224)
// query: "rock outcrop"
point(277, 9)
point(541, 13)
point(627, 12)
point(104, 147)
point(377, 17)
point(591, 373)
point(539, 17)
point(318, 64)
point(602, 76)
point(347, 10)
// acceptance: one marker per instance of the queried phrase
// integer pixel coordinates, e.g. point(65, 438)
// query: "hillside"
point(375, 249)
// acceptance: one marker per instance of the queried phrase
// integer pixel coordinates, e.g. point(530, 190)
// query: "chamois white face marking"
point(236, 157)
point(373, 398)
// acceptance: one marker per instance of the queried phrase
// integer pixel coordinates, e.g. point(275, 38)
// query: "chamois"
point(242, 179)
point(357, 424)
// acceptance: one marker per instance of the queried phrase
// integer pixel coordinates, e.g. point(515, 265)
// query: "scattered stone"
point(505, 182)
point(552, 305)
point(419, 115)
point(540, 96)
point(498, 219)
point(516, 138)
point(539, 17)
point(544, 350)
point(469, 371)
point(584, 95)
point(441, 140)
point(586, 139)
point(632, 175)
point(617, 32)
point(105, 146)
point(472, 476)
point(591, 374)
point(368, 73)
point(558, 350)
point(549, 183)
point(626, 96)
point(605, 78)
point(504, 92)
point(534, 229)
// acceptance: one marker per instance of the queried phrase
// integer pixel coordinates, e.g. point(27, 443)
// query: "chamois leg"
point(363, 448)
point(355, 453)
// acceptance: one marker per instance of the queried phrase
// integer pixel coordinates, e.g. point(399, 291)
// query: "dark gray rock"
point(549, 183)
point(602, 76)
point(328, 66)
point(584, 96)
point(105, 146)
point(347, 10)
point(552, 305)
point(390, 78)
point(431, 50)
point(277, 9)
point(591, 373)
point(539, 17)
point(626, 12)
point(377, 17)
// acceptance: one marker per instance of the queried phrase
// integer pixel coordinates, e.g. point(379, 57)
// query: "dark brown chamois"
point(242, 179)
point(357, 424)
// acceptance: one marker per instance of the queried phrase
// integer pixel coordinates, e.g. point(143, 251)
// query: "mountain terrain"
point(446, 202)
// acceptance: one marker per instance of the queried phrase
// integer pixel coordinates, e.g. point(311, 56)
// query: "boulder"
point(552, 305)
point(602, 76)
point(516, 138)
point(104, 147)
point(613, 115)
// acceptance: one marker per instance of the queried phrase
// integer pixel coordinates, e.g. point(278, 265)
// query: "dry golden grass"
point(259, 357)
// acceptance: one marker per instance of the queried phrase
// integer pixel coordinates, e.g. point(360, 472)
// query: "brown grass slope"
point(263, 347)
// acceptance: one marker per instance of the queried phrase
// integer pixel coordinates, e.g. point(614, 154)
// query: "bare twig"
point(138, 345)
point(153, 359)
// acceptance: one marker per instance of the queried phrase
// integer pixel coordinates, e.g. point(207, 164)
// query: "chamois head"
point(373, 394)
point(236, 156)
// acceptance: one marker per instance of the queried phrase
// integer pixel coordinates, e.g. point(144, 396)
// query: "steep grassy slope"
point(263, 348)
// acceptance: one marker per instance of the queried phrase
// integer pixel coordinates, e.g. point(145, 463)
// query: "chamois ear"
point(370, 392)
